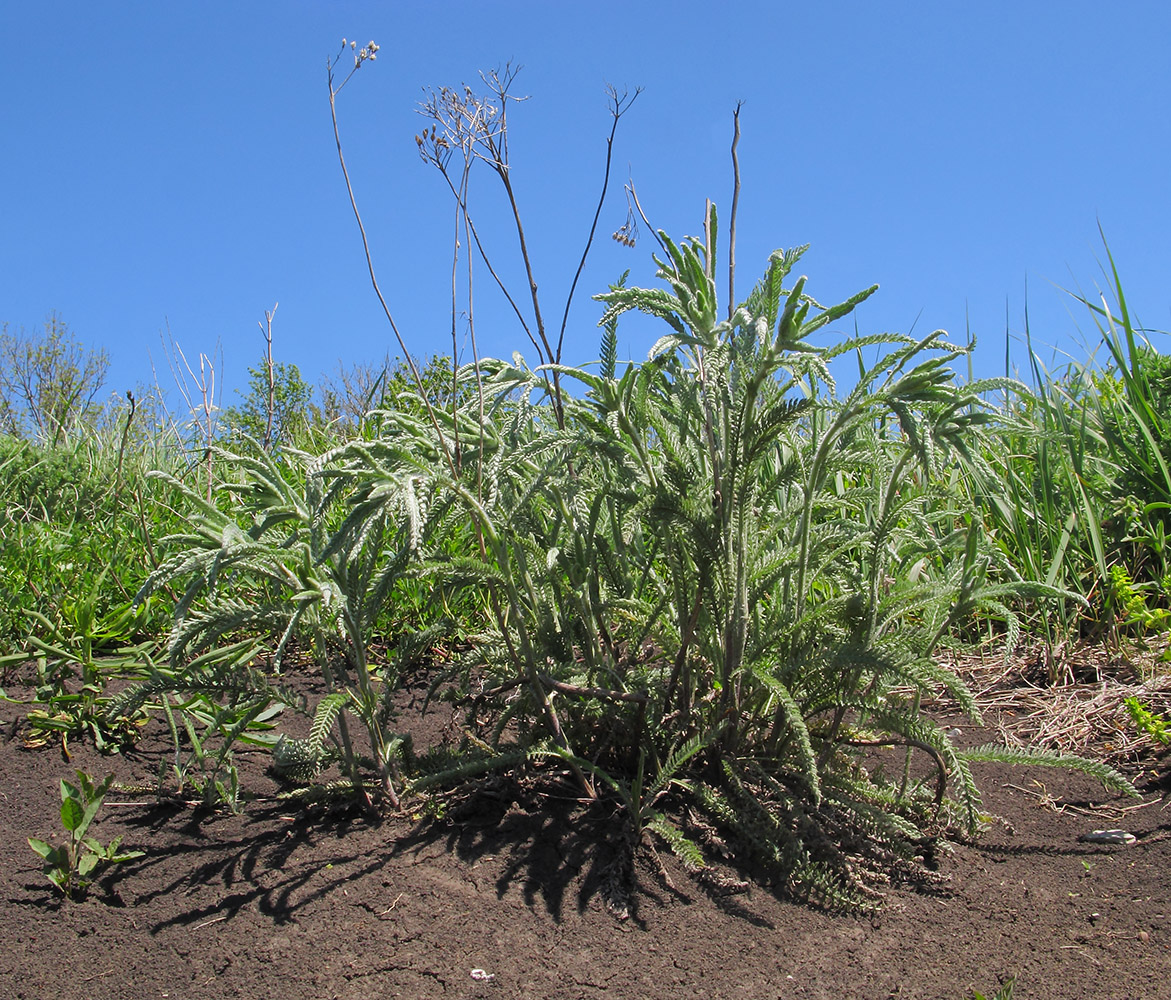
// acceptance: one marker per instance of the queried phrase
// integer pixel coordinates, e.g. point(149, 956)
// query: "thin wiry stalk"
point(735, 206)
point(333, 92)
point(619, 105)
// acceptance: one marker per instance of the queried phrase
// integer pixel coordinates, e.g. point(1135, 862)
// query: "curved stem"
point(617, 113)
point(374, 279)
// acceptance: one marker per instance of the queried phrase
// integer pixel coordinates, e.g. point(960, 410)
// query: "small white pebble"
point(1108, 837)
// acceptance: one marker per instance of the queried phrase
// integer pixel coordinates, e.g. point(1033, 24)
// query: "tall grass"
point(1079, 486)
point(78, 523)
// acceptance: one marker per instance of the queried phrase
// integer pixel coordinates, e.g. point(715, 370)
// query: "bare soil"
point(501, 899)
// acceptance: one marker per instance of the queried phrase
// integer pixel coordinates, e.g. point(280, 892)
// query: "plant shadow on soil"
point(511, 880)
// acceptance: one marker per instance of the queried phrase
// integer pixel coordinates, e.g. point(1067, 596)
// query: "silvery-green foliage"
point(296, 551)
point(714, 581)
point(716, 550)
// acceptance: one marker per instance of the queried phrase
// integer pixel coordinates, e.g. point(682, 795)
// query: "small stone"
point(1108, 837)
point(1144, 937)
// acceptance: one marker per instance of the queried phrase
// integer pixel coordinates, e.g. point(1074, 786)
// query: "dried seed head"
point(627, 235)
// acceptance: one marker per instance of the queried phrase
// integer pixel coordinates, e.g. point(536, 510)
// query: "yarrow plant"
point(716, 585)
point(713, 584)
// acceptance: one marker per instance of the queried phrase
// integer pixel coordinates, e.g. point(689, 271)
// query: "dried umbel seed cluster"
point(368, 51)
point(438, 144)
point(465, 121)
point(627, 233)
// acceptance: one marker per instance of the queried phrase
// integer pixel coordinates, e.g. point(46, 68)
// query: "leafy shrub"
point(48, 382)
point(287, 419)
point(714, 584)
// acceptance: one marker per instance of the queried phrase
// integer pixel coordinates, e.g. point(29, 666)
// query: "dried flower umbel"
point(368, 51)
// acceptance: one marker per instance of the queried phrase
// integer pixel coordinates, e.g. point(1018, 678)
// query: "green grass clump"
point(1079, 491)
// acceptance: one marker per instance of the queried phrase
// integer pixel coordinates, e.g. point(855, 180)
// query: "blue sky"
point(172, 165)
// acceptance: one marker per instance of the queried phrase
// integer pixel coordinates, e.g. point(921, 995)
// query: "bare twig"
point(476, 368)
point(471, 227)
point(202, 414)
point(499, 163)
point(637, 697)
point(477, 127)
point(619, 105)
point(735, 205)
point(630, 190)
point(369, 53)
point(208, 923)
point(466, 122)
point(98, 975)
point(266, 331)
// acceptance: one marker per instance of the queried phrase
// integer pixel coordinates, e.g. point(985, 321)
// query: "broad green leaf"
point(91, 810)
point(43, 849)
point(72, 814)
point(126, 856)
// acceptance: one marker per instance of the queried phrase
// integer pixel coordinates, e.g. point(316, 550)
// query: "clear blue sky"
point(173, 163)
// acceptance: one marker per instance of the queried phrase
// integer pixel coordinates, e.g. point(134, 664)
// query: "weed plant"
point(287, 562)
point(711, 585)
point(708, 590)
point(1004, 993)
point(714, 584)
point(72, 866)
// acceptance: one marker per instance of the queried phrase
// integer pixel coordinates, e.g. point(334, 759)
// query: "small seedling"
point(72, 866)
point(1004, 993)
point(209, 771)
point(1148, 722)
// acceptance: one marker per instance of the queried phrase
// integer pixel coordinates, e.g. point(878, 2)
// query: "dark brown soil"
point(502, 900)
